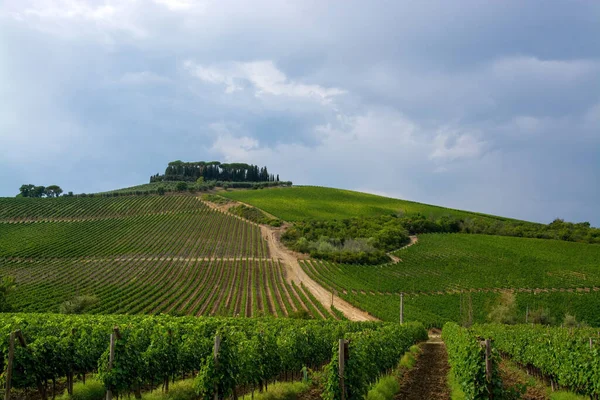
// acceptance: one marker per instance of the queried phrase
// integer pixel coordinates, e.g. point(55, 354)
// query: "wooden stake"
point(9, 366)
point(216, 349)
point(488, 360)
point(591, 344)
point(111, 358)
point(401, 308)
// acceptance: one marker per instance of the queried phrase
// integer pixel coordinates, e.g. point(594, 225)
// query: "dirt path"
point(296, 274)
point(427, 380)
point(396, 259)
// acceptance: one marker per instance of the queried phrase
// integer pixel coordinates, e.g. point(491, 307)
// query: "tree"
point(181, 186)
point(27, 190)
point(53, 191)
point(160, 190)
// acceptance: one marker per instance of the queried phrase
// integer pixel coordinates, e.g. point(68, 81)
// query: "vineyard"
point(147, 351)
point(191, 234)
point(144, 255)
point(438, 272)
point(26, 209)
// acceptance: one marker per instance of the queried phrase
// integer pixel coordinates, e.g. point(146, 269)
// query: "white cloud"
point(72, 17)
point(179, 5)
point(450, 146)
point(265, 78)
point(143, 78)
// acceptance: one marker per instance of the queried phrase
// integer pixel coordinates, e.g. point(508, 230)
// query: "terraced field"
point(144, 254)
point(319, 203)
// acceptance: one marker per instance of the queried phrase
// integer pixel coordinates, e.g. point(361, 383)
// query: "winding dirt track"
point(295, 273)
point(427, 380)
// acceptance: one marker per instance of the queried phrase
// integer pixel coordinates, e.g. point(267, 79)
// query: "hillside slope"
point(300, 203)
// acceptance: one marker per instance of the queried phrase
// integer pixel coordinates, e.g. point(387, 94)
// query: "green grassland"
point(320, 203)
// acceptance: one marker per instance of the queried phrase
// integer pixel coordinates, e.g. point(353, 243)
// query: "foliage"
point(505, 311)
point(30, 190)
point(7, 285)
point(252, 351)
point(214, 170)
point(466, 357)
point(371, 354)
point(316, 203)
point(92, 389)
point(254, 214)
point(78, 304)
point(562, 354)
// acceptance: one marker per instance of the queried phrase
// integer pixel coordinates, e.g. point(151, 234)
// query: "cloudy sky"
point(485, 106)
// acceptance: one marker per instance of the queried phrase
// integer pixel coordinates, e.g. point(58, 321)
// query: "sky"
point(484, 106)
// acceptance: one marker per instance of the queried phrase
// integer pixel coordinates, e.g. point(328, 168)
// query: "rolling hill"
point(185, 255)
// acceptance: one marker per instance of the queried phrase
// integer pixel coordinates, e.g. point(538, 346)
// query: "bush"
point(78, 304)
point(181, 186)
point(160, 190)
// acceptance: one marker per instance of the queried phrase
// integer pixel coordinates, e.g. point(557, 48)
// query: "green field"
point(449, 262)
point(435, 271)
point(180, 287)
point(320, 203)
point(143, 254)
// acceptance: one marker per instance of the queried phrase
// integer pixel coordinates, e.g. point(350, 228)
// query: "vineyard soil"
point(427, 380)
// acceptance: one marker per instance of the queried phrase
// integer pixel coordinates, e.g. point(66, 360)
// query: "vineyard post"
point(591, 344)
point(527, 314)
point(401, 308)
point(488, 363)
point(9, 367)
point(342, 357)
point(216, 348)
point(111, 357)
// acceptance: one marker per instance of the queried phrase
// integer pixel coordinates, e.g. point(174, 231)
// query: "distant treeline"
point(366, 240)
point(214, 171)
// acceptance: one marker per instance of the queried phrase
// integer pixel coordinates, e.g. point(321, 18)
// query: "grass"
point(456, 392)
point(320, 203)
point(388, 386)
point(180, 390)
point(93, 389)
point(281, 391)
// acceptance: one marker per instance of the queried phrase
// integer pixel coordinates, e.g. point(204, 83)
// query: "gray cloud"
point(493, 107)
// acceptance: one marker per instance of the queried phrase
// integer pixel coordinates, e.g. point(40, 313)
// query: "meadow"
point(301, 203)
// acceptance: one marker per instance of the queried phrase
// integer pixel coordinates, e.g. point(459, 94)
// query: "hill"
point(301, 203)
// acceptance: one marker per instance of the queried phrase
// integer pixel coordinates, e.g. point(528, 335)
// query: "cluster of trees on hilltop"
point(214, 171)
point(30, 190)
point(365, 240)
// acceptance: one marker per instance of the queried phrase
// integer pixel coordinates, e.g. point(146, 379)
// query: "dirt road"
point(427, 380)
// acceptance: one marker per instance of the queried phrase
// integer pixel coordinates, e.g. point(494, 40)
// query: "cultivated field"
point(559, 276)
point(143, 254)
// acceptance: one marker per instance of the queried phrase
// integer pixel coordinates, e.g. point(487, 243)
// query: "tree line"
point(214, 171)
point(29, 190)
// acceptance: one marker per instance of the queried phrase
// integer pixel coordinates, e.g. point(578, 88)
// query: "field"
point(559, 276)
point(143, 254)
point(319, 203)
